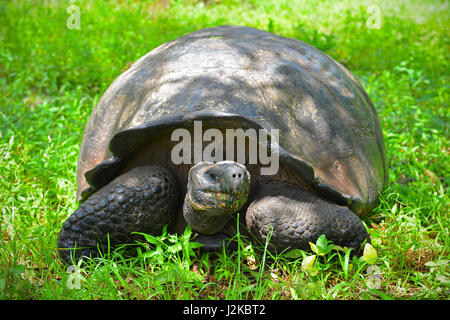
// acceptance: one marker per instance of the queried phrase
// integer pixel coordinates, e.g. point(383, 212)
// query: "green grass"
point(52, 76)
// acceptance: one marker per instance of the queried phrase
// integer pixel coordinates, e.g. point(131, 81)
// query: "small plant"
point(169, 247)
point(330, 263)
point(324, 252)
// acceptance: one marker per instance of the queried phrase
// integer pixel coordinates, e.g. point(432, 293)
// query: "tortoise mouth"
point(220, 193)
point(207, 199)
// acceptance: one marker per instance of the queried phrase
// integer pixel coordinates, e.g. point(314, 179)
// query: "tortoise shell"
point(243, 77)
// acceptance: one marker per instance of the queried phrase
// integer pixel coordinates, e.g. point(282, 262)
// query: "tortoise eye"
point(212, 176)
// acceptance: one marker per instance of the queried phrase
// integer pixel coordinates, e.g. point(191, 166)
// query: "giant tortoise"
point(329, 147)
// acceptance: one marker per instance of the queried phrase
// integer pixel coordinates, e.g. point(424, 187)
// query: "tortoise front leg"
point(298, 217)
point(143, 199)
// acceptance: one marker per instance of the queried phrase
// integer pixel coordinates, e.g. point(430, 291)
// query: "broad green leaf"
point(195, 245)
point(369, 254)
point(294, 254)
point(151, 239)
point(322, 243)
point(314, 248)
point(346, 265)
point(308, 262)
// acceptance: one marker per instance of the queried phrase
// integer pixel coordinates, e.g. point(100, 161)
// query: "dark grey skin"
point(331, 149)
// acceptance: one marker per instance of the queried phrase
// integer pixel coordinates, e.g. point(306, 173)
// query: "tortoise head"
point(215, 190)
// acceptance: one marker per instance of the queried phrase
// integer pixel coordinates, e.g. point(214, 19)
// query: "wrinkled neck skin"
point(205, 221)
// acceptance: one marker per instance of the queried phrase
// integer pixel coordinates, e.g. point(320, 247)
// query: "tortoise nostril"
point(237, 175)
